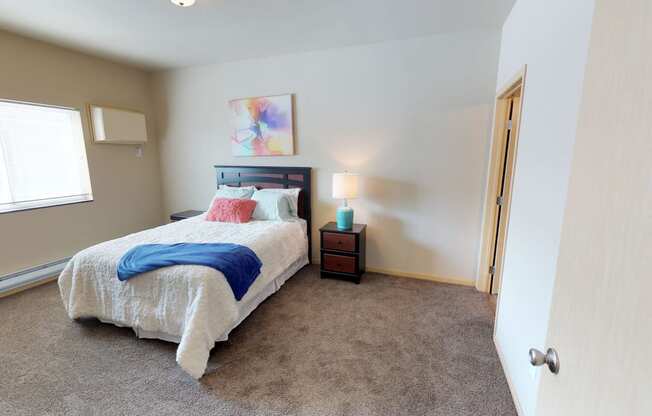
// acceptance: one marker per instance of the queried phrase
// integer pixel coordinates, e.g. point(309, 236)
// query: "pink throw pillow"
point(231, 210)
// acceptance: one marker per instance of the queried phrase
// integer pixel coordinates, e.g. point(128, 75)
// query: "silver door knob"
point(550, 358)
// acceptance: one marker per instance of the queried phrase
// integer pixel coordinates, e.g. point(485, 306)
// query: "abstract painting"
point(262, 126)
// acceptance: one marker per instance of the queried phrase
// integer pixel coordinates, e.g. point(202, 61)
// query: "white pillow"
point(271, 206)
point(233, 192)
point(291, 193)
point(251, 187)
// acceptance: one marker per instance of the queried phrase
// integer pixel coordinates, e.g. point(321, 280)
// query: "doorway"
point(500, 182)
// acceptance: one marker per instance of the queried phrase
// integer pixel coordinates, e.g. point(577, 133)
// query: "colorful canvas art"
point(262, 126)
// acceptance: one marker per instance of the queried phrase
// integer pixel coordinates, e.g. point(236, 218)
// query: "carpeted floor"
point(390, 346)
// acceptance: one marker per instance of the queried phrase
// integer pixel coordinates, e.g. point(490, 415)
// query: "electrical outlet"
point(139, 151)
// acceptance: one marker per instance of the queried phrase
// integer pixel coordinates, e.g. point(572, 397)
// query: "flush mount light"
point(183, 3)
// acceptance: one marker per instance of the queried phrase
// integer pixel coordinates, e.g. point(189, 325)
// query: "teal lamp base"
point(344, 218)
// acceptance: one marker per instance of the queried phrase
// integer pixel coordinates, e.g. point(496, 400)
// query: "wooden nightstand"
point(343, 252)
point(184, 215)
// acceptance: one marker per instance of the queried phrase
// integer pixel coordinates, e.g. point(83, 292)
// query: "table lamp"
point(345, 187)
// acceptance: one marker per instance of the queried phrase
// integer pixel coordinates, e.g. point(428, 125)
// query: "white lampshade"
point(345, 185)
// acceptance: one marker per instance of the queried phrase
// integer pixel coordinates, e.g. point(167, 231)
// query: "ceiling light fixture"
point(183, 3)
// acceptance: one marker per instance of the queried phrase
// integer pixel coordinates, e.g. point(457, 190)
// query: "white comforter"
point(192, 303)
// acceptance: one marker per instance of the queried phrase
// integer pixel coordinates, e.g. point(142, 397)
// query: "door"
point(503, 188)
point(500, 176)
point(601, 316)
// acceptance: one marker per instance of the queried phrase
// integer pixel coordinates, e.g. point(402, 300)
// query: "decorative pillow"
point(231, 210)
point(271, 206)
point(232, 193)
point(292, 195)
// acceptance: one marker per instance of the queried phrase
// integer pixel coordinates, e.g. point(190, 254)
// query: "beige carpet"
point(389, 346)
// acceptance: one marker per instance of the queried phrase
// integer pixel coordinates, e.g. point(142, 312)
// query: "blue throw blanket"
point(239, 264)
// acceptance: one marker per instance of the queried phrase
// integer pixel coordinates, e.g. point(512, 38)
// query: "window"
point(42, 157)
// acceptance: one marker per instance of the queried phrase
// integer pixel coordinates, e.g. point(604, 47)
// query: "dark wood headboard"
point(273, 177)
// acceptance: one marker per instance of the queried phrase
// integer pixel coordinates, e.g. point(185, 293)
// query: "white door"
point(601, 317)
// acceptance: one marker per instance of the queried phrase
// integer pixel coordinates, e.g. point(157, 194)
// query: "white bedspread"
point(192, 303)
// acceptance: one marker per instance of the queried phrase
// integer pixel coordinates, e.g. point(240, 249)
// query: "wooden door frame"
point(490, 212)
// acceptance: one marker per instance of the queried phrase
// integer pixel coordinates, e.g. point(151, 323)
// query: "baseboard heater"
point(30, 276)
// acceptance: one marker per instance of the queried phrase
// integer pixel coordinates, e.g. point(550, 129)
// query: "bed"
point(187, 304)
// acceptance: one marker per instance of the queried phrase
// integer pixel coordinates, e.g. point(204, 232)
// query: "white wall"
point(552, 38)
point(413, 117)
point(127, 190)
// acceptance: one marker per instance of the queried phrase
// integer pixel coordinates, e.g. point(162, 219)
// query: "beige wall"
point(413, 117)
point(126, 188)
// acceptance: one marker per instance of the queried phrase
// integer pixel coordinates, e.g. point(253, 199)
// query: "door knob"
point(550, 358)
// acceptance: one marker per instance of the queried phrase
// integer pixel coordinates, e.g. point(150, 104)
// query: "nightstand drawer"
point(336, 241)
point(342, 264)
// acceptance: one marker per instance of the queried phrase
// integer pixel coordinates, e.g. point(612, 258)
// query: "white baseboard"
point(15, 281)
point(421, 276)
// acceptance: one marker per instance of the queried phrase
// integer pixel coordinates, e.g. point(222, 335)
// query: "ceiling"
point(155, 34)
